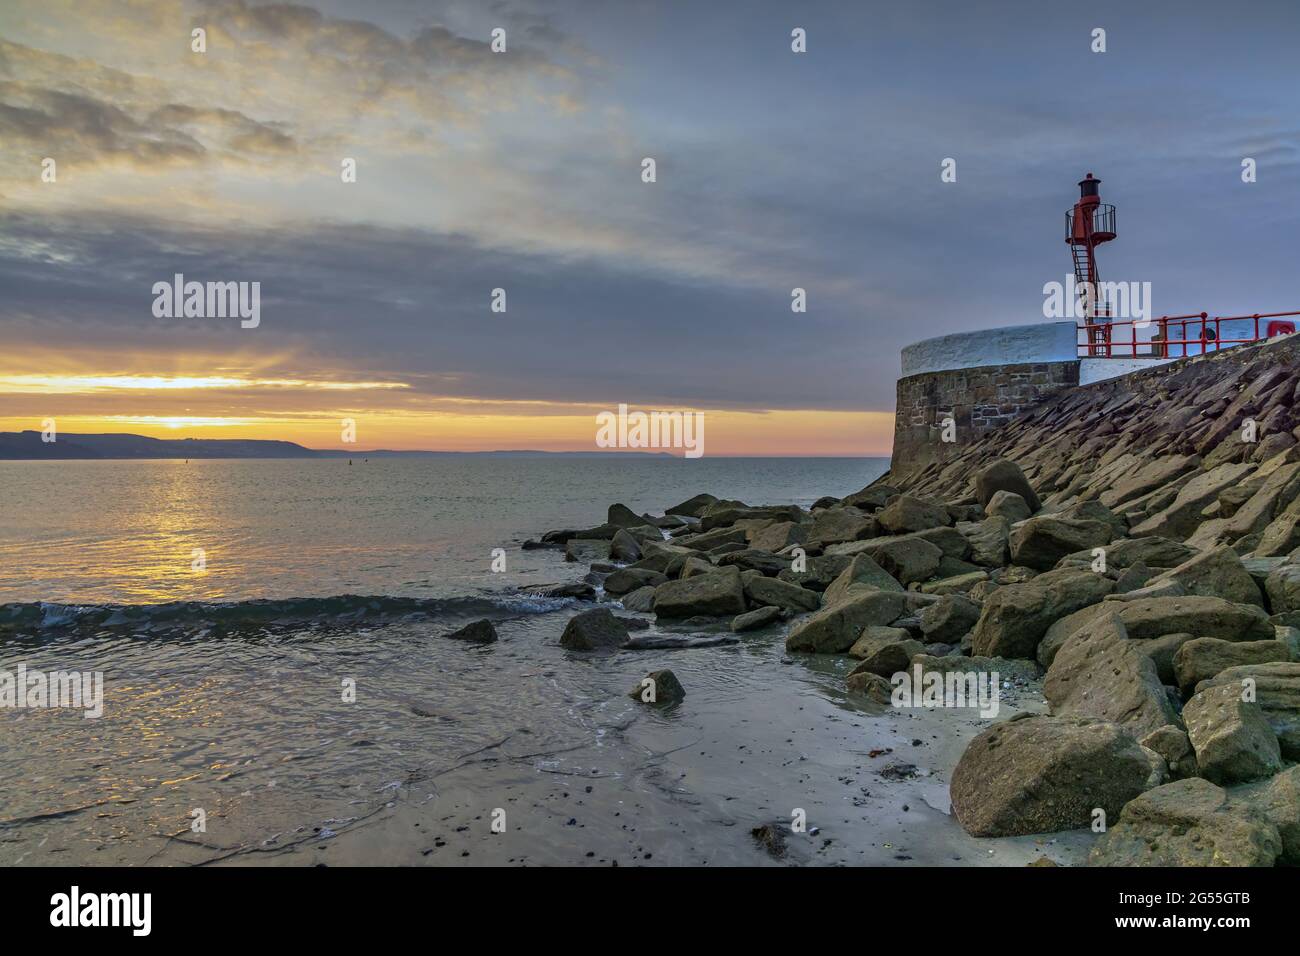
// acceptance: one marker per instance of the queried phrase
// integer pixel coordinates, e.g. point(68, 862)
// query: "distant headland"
point(30, 446)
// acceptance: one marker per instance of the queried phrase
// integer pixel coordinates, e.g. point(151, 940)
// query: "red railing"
point(1177, 336)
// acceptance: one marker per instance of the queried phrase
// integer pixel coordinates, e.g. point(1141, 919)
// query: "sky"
point(522, 170)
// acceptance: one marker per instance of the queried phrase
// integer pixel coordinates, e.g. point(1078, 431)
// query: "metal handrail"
point(1101, 341)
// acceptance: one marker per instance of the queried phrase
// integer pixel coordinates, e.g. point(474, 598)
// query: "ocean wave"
point(39, 616)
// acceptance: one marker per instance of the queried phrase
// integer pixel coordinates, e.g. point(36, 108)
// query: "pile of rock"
point(1136, 543)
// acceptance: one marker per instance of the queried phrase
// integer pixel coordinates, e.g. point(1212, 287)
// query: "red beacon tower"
point(1090, 223)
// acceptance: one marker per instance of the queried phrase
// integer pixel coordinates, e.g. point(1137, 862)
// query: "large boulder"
point(718, 594)
point(587, 550)
point(752, 559)
point(1016, 616)
point(948, 619)
point(818, 572)
point(1233, 741)
point(1042, 774)
point(708, 540)
point(780, 535)
point(692, 507)
point(753, 620)
point(863, 572)
point(988, 540)
point(624, 546)
point(627, 580)
point(1003, 475)
point(1278, 800)
point(1008, 505)
point(1217, 573)
point(835, 628)
point(1041, 542)
point(1188, 822)
point(836, 525)
point(1277, 689)
point(594, 630)
point(773, 591)
point(1152, 550)
point(906, 559)
point(1198, 615)
point(1283, 586)
point(906, 513)
point(884, 650)
point(623, 516)
point(1205, 657)
point(1100, 673)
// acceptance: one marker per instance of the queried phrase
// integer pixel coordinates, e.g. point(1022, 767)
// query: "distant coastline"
point(28, 446)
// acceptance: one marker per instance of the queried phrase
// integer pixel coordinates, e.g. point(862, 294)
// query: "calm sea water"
point(128, 531)
point(239, 708)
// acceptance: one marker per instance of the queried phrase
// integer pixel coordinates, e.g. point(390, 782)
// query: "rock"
point(780, 535)
point(718, 594)
point(577, 589)
point(819, 571)
point(958, 584)
point(862, 572)
point(642, 599)
point(480, 632)
point(623, 517)
point(947, 619)
point(1217, 573)
point(594, 630)
point(753, 620)
point(1008, 505)
point(624, 547)
point(1044, 774)
point(1277, 689)
point(988, 541)
point(907, 560)
point(1162, 651)
point(1199, 615)
point(838, 525)
point(1004, 668)
point(1181, 517)
point(872, 496)
point(1283, 587)
point(726, 513)
point(1016, 616)
point(1152, 475)
point(1174, 747)
point(906, 513)
point(883, 655)
point(1152, 550)
point(751, 559)
point(1205, 657)
point(627, 580)
point(1232, 740)
point(714, 538)
point(835, 628)
point(762, 590)
point(1134, 577)
point(692, 507)
point(1100, 673)
point(770, 839)
point(659, 688)
point(1187, 823)
point(1003, 475)
point(874, 686)
point(1041, 542)
point(1278, 801)
point(586, 550)
point(878, 636)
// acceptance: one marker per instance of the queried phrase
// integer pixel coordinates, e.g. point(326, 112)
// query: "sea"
point(277, 687)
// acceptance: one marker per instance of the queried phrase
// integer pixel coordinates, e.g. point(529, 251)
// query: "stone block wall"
point(977, 399)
